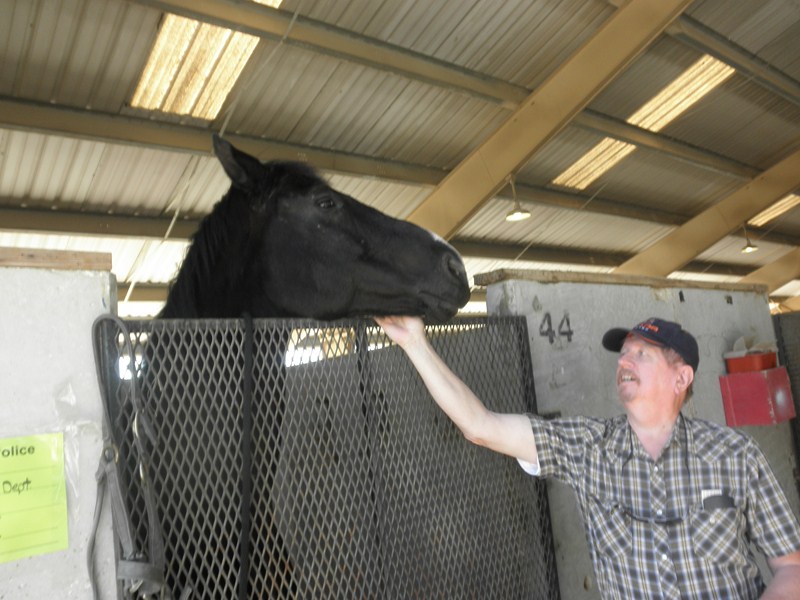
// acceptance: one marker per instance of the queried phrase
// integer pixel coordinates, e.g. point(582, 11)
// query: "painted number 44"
point(564, 328)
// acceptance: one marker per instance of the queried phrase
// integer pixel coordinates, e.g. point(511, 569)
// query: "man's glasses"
point(666, 518)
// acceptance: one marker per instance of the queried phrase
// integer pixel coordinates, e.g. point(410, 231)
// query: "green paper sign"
point(33, 496)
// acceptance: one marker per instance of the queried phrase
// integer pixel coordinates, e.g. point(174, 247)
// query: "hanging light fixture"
point(749, 246)
point(517, 213)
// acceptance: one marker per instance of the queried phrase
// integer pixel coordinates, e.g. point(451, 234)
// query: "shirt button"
point(659, 512)
point(655, 468)
point(664, 557)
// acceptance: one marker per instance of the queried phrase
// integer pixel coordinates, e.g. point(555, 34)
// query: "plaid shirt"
point(678, 527)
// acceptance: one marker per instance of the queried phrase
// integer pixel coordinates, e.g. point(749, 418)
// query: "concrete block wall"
point(49, 386)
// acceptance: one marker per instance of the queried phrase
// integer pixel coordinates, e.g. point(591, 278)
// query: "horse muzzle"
point(456, 276)
point(448, 292)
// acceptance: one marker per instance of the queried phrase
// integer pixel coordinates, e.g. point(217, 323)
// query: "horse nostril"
point(455, 267)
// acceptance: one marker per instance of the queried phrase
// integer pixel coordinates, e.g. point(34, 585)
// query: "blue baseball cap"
point(660, 332)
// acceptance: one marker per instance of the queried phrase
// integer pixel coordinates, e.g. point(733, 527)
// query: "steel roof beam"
point(154, 227)
point(116, 129)
point(93, 125)
point(70, 222)
point(143, 292)
point(639, 136)
point(700, 37)
point(97, 126)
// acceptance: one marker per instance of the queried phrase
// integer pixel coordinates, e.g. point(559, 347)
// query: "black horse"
point(283, 243)
point(280, 243)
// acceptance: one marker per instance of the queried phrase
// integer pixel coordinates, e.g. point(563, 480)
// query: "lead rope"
point(142, 578)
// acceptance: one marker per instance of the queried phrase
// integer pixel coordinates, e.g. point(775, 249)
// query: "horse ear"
point(242, 168)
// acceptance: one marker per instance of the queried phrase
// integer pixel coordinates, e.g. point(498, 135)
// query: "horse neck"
point(210, 279)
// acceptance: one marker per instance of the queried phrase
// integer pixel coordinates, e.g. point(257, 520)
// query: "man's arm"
point(509, 434)
point(785, 584)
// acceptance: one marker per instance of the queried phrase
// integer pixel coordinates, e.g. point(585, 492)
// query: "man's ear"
point(685, 378)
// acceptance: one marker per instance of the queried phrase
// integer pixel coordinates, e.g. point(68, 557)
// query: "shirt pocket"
point(612, 530)
point(716, 535)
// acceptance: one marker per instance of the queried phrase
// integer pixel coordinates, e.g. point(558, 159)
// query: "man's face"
point(643, 372)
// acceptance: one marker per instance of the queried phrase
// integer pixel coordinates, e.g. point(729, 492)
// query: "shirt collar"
point(622, 445)
point(700, 442)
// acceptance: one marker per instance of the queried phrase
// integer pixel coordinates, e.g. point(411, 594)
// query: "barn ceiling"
point(644, 137)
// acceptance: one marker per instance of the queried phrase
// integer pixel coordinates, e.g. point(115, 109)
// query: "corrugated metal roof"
point(647, 178)
point(57, 172)
point(729, 251)
point(85, 53)
point(739, 119)
point(554, 227)
point(520, 42)
point(665, 182)
point(768, 29)
point(86, 56)
point(318, 101)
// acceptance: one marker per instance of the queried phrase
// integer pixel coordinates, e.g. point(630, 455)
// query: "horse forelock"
point(294, 168)
point(282, 177)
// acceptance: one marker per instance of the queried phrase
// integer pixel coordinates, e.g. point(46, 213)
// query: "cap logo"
point(659, 332)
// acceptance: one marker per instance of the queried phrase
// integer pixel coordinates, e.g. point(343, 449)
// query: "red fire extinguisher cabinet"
point(757, 397)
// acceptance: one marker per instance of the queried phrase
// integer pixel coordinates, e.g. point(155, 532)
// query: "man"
point(669, 503)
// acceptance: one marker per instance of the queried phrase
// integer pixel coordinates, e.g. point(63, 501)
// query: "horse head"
point(283, 243)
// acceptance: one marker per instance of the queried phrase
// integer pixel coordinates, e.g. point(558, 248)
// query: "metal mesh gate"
point(361, 487)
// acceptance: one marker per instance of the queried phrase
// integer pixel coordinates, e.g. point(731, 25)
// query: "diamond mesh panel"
point(361, 487)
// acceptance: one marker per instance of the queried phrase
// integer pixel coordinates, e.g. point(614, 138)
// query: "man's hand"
point(402, 330)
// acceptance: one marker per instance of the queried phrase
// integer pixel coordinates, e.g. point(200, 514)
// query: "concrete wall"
point(567, 315)
point(49, 386)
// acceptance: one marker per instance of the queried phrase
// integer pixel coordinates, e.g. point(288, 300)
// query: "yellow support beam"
point(55, 259)
point(792, 304)
point(676, 249)
point(777, 273)
point(545, 112)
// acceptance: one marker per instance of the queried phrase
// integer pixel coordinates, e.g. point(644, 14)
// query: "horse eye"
point(326, 203)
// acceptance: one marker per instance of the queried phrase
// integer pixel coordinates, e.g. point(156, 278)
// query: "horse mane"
point(197, 269)
point(227, 234)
